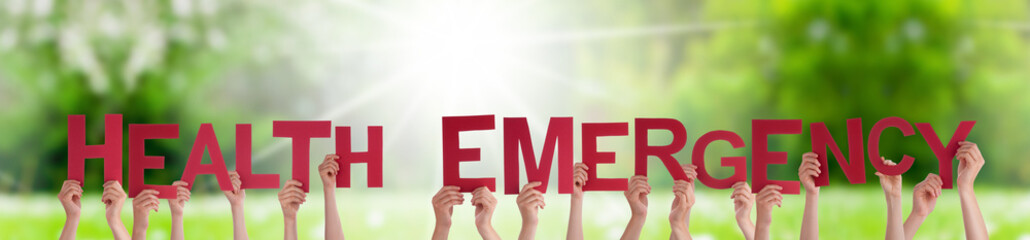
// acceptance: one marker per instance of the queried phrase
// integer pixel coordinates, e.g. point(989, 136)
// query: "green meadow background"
point(403, 64)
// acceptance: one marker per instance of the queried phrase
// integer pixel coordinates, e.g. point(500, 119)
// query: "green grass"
point(845, 213)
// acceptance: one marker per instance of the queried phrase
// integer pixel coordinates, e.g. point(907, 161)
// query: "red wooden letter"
point(591, 157)
point(373, 157)
point(945, 154)
point(739, 164)
point(761, 157)
point(138, 161)
point(301, 132)
point(110, 151)
point(453, 154)
point(243, 163)
point(854, 168)
point(664, 153)
point(874, 145)
point(206, 140)
point(558, 138)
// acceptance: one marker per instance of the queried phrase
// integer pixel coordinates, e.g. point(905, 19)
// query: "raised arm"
point(970, 161)
point(290, 198)
point(443, 208)
point(636, 195)
point(924, 197)
point(235, 197)
point(679, 216)
point(892, 190)
point(142, 204)
point(485, 204)
point(530, 201)
point(768, 197)
point(743, 200)
point(113, 198)
point(176, 205)
point(328, 170)
point(807, 172)
point(579, 178)
point(71, 199)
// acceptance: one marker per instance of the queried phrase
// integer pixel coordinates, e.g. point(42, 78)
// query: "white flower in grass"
point(8, 39)
point(15, 7)
point(42, 8)
point(216, 39)
point(207, 7)
point(182, 8)
point(77, 53)
point(147, 51)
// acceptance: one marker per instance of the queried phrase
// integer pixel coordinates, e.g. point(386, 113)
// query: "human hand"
point(291, 197)
point(969, 165)
point(113, 198)
point(891, 184)
point(144, 202)
point(579, 178)
point(530, 201)
point(485, 204)
point(443, 204)
point(236, 195)
point(182, 196)
point(683, 190)
point(742, 201)
point(636, 195)
point(925, 194)
point(809, 170)
point(328, 170)
point(71, 198)
point(768, 197)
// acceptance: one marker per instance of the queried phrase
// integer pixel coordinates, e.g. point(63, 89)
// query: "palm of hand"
point(923, 203)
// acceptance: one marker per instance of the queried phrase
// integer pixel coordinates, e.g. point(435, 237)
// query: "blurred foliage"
point(153, 61)
point(712, 64)
point(934, 61)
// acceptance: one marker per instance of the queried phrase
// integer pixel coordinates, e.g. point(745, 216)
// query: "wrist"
point(917, 214)
point(964, 188)
point(893, 198)
point(484, 225)
point(289, 215)
point(236, 207)
point(529, 221)
point(443, 224)
point(138, 223)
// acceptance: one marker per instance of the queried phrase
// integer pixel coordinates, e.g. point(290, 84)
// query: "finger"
point(530, 185)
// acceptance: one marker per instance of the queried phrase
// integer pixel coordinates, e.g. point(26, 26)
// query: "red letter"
point(301, 132)
point(110, 151)
point(453, 154)
point(591, 157)
point(206, 139)
point(761, 157)
point(739, 164)
point(373, 157)
point(559, 135)
point(874, 145)
point(854, 169)
point(138, 161)
point(664, 153)
point(243, 166)
point(945, 154)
